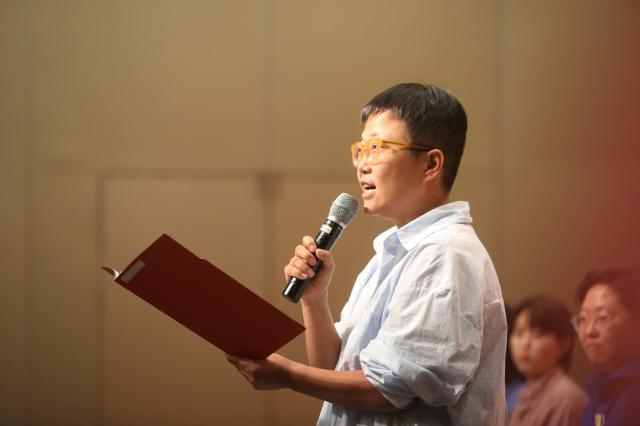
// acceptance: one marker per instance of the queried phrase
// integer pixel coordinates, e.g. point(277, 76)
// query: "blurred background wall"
point(227, 125)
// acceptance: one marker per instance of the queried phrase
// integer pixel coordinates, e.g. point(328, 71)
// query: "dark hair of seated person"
point(550, 316)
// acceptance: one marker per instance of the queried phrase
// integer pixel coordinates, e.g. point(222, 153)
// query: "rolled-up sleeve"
point(430, 342)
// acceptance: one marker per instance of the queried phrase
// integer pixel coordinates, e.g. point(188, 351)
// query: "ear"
point(434, 164)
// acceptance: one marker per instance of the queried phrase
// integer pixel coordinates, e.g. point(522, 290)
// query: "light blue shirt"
point(426, 323)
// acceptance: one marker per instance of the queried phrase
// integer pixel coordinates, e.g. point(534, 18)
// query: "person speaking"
point(422, 338)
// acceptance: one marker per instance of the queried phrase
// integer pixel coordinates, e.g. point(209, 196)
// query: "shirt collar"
point(422, 226)
point(628, 370)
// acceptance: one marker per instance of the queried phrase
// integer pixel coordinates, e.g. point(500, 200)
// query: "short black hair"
point(550, 316)
point(434, 117)
point(511, 373)
point(624, 282)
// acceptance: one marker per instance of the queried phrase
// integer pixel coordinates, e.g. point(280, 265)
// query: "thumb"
point(326, 257)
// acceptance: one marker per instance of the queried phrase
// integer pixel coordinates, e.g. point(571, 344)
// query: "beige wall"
point(226, 124)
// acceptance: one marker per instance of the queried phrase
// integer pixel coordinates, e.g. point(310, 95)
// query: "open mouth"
point(367, 186)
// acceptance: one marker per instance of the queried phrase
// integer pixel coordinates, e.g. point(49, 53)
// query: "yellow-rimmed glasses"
point(373, 150)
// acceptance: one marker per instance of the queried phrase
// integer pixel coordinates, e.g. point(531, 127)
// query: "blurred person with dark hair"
point(607, 323)
point(422, 338)
point(513, 380)
point(541, 347)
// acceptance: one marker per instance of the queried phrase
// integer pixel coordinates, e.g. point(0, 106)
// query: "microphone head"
point(343, 209)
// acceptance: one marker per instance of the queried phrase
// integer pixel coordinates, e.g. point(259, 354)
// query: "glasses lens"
point(360, 150)
point(374, 150)
point(356, 153)
point(575, 321)
point(369, 150)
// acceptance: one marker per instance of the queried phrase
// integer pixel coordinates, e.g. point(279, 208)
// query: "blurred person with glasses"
point(422, 338)
point(608, 326)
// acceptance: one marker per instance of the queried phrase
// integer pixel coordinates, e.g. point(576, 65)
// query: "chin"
point(369, 208)
point(374, 212)
point(596, 362)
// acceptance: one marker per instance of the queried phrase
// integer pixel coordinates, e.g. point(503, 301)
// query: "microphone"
point(342, 211)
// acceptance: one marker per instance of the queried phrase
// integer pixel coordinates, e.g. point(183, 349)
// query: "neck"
point(429, 205)
point(533, 377)
point(440, 201)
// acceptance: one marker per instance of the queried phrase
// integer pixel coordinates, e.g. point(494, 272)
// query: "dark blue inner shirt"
point(614, 398)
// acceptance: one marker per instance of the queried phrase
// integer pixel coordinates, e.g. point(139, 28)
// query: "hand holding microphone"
point(304, 265)
point(305, 257)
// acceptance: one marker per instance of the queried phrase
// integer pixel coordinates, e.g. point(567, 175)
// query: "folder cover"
point(207, 301)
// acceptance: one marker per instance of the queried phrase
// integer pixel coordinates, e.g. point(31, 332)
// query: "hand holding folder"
point(207, 301)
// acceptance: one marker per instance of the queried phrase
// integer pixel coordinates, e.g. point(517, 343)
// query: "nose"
point(590, 329)
point(363, 166)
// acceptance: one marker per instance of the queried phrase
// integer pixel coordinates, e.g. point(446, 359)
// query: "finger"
point(309, 243)
point(326, 257)
point(297, 268)
point(303, 266)
point(246, 369)
point(292, 271)
point(247, 376)
point(306, 256)
point(245, 364)
point(231, 358)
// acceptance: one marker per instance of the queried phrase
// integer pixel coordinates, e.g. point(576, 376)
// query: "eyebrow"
point(375, 134)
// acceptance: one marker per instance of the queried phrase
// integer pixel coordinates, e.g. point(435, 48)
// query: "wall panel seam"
point(268, 180)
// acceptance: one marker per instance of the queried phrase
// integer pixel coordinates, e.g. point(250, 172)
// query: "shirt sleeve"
point(429, 344)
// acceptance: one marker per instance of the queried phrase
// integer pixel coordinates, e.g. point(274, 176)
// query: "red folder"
point(207, 301)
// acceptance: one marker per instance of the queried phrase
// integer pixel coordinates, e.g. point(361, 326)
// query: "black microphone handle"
point(325, 239)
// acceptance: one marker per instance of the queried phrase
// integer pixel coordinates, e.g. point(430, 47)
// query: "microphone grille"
point(343, 209)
